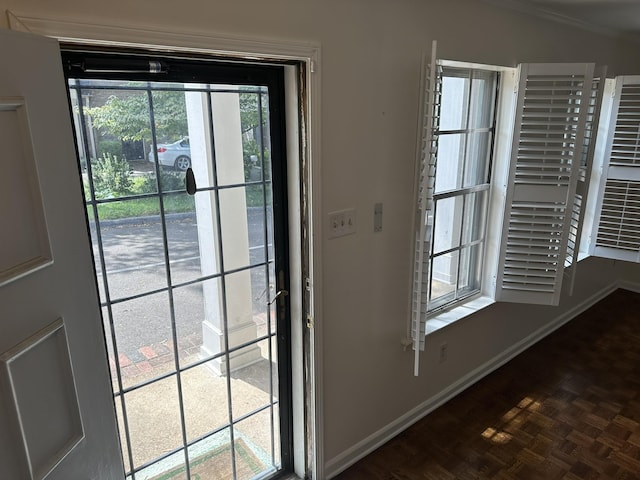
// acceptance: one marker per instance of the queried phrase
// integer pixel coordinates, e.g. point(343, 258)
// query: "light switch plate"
point(342, 223)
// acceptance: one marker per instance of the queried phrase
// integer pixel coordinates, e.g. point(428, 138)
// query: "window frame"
point(461, 294)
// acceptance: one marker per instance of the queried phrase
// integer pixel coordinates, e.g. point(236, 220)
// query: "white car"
point(176, 155)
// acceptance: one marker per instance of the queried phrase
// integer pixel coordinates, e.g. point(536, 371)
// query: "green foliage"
point(170, 181)
point(111, 176)
point(253, 168)
point(128, 117)
point(254, 113)
point(250, 110)
point(113, 147)
point(140, 207)
point(144, 184)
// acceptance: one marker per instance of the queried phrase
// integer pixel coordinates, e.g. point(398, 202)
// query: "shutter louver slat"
point(578, 208)
point(427, 154)
point(625, 149)
point(546, 153)
point(618, 234)
point(620, 217)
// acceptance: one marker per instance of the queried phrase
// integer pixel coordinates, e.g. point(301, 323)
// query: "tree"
point(250, 114)
point(128, 117)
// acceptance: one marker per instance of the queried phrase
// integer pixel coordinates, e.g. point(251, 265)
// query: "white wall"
point(371, 52)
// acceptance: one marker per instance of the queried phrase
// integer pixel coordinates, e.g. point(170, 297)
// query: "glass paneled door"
point(183, 169)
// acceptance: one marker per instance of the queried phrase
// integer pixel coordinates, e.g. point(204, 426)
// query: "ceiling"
point(620, 17)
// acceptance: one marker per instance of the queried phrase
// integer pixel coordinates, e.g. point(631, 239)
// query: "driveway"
point(135, 263)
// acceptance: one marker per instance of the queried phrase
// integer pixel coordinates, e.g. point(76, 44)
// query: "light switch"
point(342, 223)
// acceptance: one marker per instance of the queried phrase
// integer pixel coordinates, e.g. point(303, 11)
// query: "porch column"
point(234, 228)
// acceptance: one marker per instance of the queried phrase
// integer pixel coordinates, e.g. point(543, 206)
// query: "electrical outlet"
point(443, 352)
point(342, 223)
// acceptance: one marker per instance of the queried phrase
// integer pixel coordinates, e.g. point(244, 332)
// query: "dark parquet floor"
point(567, 408)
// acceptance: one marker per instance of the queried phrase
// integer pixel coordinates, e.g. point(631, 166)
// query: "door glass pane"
point(251, 388)
point(143, 335)
point(257, 221)
point(239, 309)
point(212, 457)
point(122, 430)
point(108, 332)
point(133, 247)
point(197, 313)
point(235, 228)
point(173, 465)
point(255, 431)
point(169, 113)
point(183, 244)
point(205, 399)
point(155, 405)
point(256, 143)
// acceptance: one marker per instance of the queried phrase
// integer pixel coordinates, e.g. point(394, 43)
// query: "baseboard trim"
point(361, 449)
point(632, 286)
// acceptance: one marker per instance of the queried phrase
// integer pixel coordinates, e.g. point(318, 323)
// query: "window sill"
point(582, 255)
point(448, 317)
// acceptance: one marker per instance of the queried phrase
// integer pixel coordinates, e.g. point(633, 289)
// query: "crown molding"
point(528, 8)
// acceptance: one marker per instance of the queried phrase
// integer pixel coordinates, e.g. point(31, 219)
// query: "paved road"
point(134, 258)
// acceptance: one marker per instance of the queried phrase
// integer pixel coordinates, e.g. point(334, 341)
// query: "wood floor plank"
point(568, 408)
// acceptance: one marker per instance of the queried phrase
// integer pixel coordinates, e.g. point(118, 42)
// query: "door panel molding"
point(39, 383)
point(26, 246)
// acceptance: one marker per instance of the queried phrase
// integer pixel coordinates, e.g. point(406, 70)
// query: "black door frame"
point(139, 65)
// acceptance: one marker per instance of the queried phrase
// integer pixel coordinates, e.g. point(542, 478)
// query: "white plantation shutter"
point(426, 171)
point(619, 214)
point(551, 113)
point(584, 176)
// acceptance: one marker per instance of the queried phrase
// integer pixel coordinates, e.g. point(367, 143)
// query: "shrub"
point(169, 181)
point(111, 176)
point(172, 181)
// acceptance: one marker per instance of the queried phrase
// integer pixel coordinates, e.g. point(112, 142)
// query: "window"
point(465, 134)
point(506, 225)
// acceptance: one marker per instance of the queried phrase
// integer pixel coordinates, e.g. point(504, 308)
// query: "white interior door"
point(57, 419)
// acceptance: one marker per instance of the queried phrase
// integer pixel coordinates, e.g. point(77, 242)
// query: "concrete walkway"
point(153, 410)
